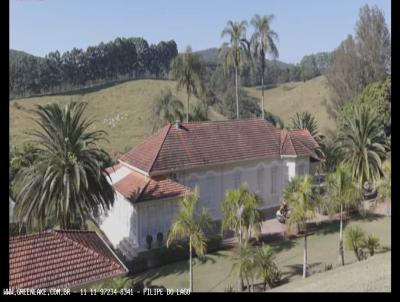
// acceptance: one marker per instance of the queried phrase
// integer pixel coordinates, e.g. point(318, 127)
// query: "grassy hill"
point(371, 275)
point(129, 104)
point(287, 99)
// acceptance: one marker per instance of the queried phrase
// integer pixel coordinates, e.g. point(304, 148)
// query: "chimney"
point(178, 124)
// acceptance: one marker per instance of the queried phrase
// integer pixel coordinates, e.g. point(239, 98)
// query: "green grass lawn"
point(371, 275)
point(287, 99)
point(214, 274)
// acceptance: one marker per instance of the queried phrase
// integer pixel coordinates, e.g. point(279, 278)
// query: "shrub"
point(355, 240)
point(371, 243)
point(160, 238)
point(149, 241)
point(328, 267)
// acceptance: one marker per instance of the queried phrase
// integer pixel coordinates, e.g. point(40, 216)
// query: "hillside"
point(129, 104)
point(287, 99)
point(371, 275)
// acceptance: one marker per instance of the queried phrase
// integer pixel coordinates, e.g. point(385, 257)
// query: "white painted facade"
point(127, 225)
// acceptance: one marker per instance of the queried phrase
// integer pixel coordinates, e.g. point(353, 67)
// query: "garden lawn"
point(371, 275)
point(214, 274)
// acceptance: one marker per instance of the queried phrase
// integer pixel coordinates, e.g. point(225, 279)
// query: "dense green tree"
point(363, 143)
point(263, 43)
point(235, 51)
point(188, 224)
point(187, 70)
point(67, 182)
point(354, 240)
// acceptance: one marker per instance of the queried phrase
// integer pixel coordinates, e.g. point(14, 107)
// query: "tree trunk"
point(187, 108)
point(305, 253)
point(265, 285)
point(262, 95)
point(190, 265)
point(341, 251)
point(237, 92)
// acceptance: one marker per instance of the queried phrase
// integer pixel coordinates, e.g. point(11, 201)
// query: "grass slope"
point(371, 275)
point(129, 103)
point(287, 99)
point(215, 273)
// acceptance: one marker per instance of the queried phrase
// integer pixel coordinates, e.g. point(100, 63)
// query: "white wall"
point(213, 182)
point(119, 221)
point(155, 216)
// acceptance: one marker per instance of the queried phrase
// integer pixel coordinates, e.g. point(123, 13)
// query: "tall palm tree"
point(303, 204)
point(189, 225)
point(341, 194)
point(385, 184)
point(263, 43)
point(363, 143)
point(235, 51)
point(166, 109)
point(67, 181)
point(187, 70)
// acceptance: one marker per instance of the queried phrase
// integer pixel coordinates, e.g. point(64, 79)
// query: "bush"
point(160, 238)
point(149, 241)
point(355, 241)
point(371, 243)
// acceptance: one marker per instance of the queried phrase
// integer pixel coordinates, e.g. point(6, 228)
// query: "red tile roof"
point(205, 143)
point(60, 259)
point(137, 187)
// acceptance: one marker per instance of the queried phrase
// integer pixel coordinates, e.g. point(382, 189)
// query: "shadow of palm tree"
point(283, 245)
point(297, 270)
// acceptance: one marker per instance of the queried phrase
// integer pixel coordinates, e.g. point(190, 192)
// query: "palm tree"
point(67, 182)
point(187, 70)
point(241, 213)
point(263, 43)
point(363, 143)
point(235, 50)
point(385, 184)
point(303, 203)
point(355, 240)
point(305, 120)
point(265, 266)
point(341, 194)
point(189, 225)
point(243, 263)
point(166, 109)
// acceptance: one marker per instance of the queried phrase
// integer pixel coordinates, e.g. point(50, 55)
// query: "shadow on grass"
point(177, 268)
point(283, 245)
point(297, 270)
point(383, 249)
point(207, 258)
point(368, 217)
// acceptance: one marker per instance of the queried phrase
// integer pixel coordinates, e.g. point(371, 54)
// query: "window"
point(238, 179)
point(274, 178)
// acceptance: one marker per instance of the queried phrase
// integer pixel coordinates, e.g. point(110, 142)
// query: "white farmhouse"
point(151, 178)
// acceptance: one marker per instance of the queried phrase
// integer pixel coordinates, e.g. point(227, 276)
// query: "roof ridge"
point(159, 149)
point(300, 141)
point(142, 190)
point(224, 121)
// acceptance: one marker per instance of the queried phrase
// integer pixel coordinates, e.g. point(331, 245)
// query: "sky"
point(304, 26)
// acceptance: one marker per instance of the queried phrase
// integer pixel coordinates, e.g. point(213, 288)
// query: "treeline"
point(276, 72)
point(121, 59)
